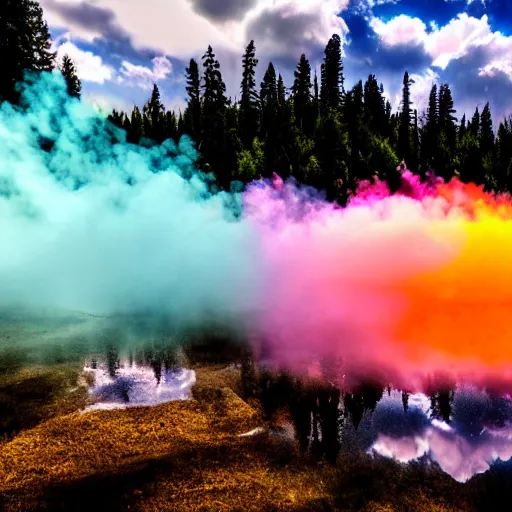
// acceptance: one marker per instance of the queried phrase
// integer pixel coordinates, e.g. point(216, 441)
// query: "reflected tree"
point(328, 402)
point(113, 362)
point(354, 406)
point(301, 414)
point(441, 404)
point(405, 400)
point(248, 374)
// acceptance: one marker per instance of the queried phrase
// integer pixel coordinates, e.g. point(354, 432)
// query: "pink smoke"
point(331, 289)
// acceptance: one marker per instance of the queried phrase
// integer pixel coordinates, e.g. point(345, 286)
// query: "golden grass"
point(192, 450)
point(33, 395)
point(189, 456)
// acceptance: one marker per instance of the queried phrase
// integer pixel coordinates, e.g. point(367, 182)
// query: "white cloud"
point(282, 30)
point(90, 67)
point(173, 27)
point(56, 19)
point(292, 27)
point(364, 6)
point(456, 38)
point(442, 44)
point(503, 65)
point(142, 76)
point(400, 30)
point(500, 60)
point(176, 29)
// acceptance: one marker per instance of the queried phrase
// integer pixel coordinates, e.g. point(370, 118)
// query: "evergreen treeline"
point(320, 133)
point(315, 130)
point(25, 46)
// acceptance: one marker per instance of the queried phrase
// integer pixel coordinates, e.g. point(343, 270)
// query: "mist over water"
point(400, 287)
point(93, 224)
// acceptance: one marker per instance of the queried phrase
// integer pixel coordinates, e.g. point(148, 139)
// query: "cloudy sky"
point(122, 46)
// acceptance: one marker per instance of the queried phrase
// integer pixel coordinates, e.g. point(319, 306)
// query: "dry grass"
point(177, 456)
point(219, 376)
point(189, 456)
point(33, 395)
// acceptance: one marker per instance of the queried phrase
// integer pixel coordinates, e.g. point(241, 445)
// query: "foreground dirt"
point(190, 456)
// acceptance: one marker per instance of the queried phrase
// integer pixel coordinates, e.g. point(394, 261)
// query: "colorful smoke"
point(398, 287)
point(89, 222)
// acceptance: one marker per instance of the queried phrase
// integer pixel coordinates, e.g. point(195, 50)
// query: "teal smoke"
point(89, 222)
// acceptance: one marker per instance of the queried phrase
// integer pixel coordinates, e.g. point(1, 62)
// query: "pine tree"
point(331, 88)
point(146, 127)
point(137, 130)
point(470, 155)
point(415, 156)
point(446, 110)
point(154, 117)
point(387, 121)
point(504, 154)
point(474, 127)
point(181, 127)
point(301, 90)
point(486, 131)
point(233, 143)
point(193, 110)
point(269, 101)
point(112, 357)
point(447, 134)
point(487, 147)
point(24, 44)
point(404, 128)
point(126, 125)
point(405, 400)
point(249, 111)
point(429, 138)
point(281, 92)
point(374, 107)
point(269, 115)
point(332, 148)
point(441, 404)
point(353, 113)
point(316, 98)
point(116, 118)
point(286, 136)
point(43, 58)
point(73, 83)
point(462, 128)
point(213, 140)
point(170, 126)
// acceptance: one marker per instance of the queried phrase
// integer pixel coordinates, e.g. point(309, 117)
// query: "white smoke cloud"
point(142, 76)
point(89, 67)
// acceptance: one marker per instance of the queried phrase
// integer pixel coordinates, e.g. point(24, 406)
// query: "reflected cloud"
point(478, 435)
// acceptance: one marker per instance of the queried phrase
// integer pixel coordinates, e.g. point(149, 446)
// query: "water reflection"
point(134, 385)
point(144, 374)
point(464, 431)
